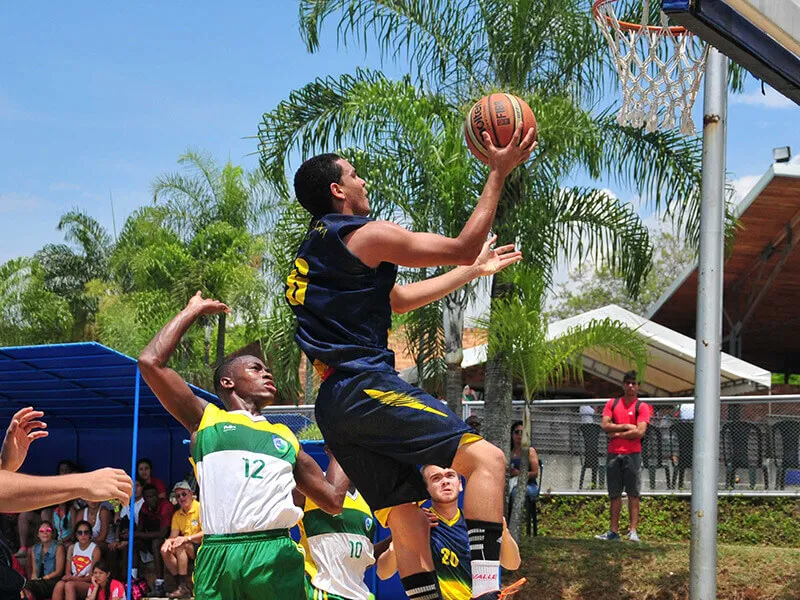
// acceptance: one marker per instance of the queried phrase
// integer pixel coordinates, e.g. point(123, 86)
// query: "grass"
point(593, 570)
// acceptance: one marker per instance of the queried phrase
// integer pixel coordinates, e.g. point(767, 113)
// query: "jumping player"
point(449, 539)
point(343, 291)
point(246, 469)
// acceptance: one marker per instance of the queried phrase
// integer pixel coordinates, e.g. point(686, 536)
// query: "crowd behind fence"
point(759, 449)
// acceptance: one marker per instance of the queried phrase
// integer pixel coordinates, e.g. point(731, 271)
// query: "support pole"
point(705, 466)
point(134, 451)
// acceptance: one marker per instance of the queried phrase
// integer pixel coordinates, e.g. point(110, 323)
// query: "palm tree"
point(549, 53)
point(518, 332)
point(68, 268)
point(218, 214)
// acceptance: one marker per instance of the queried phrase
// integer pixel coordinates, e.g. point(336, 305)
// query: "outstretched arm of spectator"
point(327, 490)
point(170, 388)
point(24, 428)
point(20, 493)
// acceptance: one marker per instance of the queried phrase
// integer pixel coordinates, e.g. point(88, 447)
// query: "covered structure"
point(670, 369)
point(761, 312)
point(96, 406)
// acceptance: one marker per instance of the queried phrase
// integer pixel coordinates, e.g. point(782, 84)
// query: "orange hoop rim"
point(626, 26)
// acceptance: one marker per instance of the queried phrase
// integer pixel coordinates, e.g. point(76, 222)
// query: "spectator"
point(81, 557)
point(100, 518)
point(587, 413)
point(625, 421)
point(118, 549)
point(474, 422)
point(155, 518)
point(184, 539)
point(45, 564)
point(468, 394)
point(103, 586)
point(144, 471)
point(515, 460)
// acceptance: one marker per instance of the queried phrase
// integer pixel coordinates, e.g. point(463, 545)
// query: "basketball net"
point(660, 69)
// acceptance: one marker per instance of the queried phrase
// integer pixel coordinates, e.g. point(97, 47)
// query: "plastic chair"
point(789, 434)
point(594, 444)
point(653, 455)
point(681, 444)
point(736, 452)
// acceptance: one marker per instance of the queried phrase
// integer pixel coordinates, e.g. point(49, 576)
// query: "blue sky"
point(98, 99)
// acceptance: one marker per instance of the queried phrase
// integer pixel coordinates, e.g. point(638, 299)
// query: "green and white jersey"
point(339, 548)
point(245, 471)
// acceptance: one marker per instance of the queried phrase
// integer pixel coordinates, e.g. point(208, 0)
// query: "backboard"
point(761, 35)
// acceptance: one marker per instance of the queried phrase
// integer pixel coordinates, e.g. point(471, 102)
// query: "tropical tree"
point(68, 268)
point(518, 332)
point(547, 52)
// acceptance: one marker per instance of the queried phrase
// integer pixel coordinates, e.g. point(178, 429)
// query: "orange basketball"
point(497, 114)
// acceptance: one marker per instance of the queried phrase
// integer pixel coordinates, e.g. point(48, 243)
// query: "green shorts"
point(313, 593)
point(264, 565)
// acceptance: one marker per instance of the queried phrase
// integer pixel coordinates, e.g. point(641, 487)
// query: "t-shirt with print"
point(117, 591)
point(625, 414)
point(187, 522)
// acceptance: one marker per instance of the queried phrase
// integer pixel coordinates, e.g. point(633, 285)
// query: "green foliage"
point(311, 432)
point(588, 288)
point(751, 521)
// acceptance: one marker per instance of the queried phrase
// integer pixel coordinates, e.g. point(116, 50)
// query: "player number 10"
point(355, 549)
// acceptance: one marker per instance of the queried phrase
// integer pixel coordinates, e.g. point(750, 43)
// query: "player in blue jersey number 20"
point(343, 291)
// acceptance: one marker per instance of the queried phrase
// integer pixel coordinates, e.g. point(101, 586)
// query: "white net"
point(660, 69)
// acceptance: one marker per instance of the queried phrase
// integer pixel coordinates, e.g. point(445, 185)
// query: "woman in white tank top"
point(81, 556)
point(100, 519)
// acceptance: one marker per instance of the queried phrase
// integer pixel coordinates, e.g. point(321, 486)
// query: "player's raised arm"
point(382, 241)
point(170, 388)
point(327, 490)
point(490, 261)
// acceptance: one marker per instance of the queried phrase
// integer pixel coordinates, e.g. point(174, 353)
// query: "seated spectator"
point(118, 550)
point(45, 564)
point(81, 557)
point(516, 459)
point(184, 539)
point(155, 519)
point(103, 586)
point(99, 517)
point(144, 471)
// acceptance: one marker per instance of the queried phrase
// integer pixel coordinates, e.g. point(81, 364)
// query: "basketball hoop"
point(660, 68)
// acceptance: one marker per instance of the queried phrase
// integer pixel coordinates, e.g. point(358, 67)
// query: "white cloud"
point(63, 186)
point(769, 99)
point(743, 185)
point(796, 159)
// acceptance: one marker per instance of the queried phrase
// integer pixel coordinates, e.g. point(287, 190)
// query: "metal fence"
point(759, 450)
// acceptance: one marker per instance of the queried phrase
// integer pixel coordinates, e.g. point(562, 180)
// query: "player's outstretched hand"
point(107, 484)
point(206, 306)
point(491, 260)
point(25, 427)
point(506, 158)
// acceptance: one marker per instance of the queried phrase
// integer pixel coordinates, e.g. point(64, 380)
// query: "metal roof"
point(81, 385)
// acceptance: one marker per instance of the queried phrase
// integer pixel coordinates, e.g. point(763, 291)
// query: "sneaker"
point(21, 552)
point(633, 536)
point(505, 593)
point(159, 591)
point(608, 536)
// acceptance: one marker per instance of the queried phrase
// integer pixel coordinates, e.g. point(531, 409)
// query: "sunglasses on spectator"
point(183, 495)
point(517, 431)
point(83, 532)
point(45, 529)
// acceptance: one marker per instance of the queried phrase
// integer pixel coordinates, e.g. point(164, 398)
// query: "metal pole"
point(131, 505)
point(705, 466)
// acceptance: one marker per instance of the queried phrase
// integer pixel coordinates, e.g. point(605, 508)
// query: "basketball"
point(497, 114)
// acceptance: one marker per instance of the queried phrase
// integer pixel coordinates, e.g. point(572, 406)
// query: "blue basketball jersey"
point(450, 551)
point(342, 305)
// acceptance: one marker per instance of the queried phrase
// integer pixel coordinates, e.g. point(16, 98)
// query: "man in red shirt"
point(625, 421)
point(155, 519)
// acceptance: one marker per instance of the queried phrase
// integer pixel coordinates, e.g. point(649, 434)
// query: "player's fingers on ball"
point(487, 140)
point(517, 134)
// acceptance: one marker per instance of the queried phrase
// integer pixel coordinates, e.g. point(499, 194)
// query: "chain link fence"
point(759, 449)
point(759, 445)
